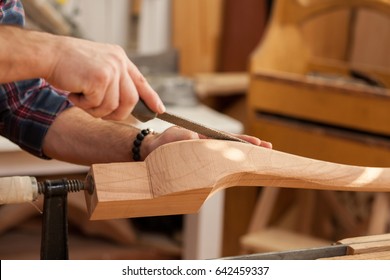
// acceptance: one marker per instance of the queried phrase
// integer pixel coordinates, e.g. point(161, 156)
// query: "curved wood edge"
point(178, 177)
point(285, 28)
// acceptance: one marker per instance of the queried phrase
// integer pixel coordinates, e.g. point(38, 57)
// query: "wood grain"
point(178, 177)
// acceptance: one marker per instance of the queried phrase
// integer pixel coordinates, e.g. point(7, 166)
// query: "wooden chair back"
point(285, 48)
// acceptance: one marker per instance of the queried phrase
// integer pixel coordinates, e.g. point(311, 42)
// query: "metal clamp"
point(54, 240)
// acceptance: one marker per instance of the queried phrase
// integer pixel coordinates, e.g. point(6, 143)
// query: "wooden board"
point(221, 84)
point(274, 239)
point(178, 177)
point(321, 143)
point(372, 247)
point(372, 38)
point(329, 102)
point(196, 31)
point(334, 26)
point(368, 256)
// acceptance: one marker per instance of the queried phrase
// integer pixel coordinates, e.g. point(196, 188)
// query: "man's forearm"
point(77, 137)
point(25, 54)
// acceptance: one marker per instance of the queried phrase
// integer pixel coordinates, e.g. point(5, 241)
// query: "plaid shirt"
point(27, 108)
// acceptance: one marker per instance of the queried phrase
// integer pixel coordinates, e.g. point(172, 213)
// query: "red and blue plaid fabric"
point(29, 107)
point(11, 12)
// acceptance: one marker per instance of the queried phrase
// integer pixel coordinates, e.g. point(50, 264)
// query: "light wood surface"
point(372, 38)
point(367, 256)
point(334, 102)
point(221, 84)
point(371, 247)
point(284, 38)
point(196, 32)
point(177, 178)
point(274, 239)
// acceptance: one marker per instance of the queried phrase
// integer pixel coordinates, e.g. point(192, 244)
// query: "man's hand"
point(176, 133)
point(101, 78)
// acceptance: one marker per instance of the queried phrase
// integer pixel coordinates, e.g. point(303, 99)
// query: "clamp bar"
point(54, 242)
point(54, 239)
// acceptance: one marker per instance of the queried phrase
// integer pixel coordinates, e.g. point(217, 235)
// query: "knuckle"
point(132, 99)
point(103, 76)
point(118, 54)
point(118, 49)
point(111, 105)
point(129, 95)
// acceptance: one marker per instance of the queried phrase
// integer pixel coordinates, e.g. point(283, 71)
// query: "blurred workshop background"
point(310, 76)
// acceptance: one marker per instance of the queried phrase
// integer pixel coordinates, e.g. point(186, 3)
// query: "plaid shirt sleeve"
point(27, 108)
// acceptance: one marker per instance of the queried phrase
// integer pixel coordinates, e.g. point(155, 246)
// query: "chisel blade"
point(143, 114)
point(198, 128)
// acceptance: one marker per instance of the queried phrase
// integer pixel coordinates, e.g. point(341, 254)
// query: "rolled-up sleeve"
point(27, 109)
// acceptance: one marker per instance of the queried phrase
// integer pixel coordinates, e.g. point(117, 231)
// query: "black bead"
point(137, 143)
point(140, 136)
point(136, 157)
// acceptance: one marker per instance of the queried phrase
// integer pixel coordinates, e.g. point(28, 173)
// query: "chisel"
point(144, 114)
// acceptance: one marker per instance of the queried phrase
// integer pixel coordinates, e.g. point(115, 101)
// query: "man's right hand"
point(101, 78)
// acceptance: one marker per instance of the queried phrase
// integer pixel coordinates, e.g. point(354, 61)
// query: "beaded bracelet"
point(138, 141)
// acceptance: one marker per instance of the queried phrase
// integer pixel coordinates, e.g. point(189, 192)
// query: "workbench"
point(202, 231)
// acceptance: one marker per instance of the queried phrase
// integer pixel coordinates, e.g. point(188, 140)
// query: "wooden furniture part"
point(219, 36)
point(202, 232)
point(372, 247)
point(274, 239)
point(304, 96)
point(178, 177)
point(265, 235)
point(196, 28)
point(297, 219)
point(328, 115)
point(368, 247)
point(220, 84)
point(286, 48)
point(216, 35)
